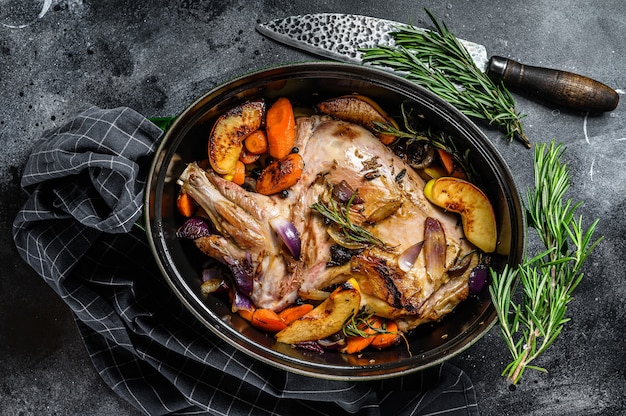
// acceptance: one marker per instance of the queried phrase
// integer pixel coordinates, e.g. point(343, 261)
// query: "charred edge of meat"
point(387, 274)
point(381, 278)
point(340, 255)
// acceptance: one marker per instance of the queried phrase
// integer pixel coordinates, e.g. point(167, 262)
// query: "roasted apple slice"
point(327, 318)
point(361, 110)
point(228, 133)
point(463, 197)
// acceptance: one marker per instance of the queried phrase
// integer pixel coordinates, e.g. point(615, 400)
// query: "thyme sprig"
point(437, 61)
point(340, 215)
point(547, 280)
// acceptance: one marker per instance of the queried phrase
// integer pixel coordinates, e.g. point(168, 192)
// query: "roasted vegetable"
point(228, 133)
point(361, 110)
point(281, 174)
point(288, 234)
point(267, 320)
point(390, 336)
point(434, 248)
point(327, 318)
point(280, 126)
point(185, 204)
point(238, 175)
point(293, 313)
point(447, 161)
point(256, 142)
point(362, 335)
point(465, 198)
point(248, 158)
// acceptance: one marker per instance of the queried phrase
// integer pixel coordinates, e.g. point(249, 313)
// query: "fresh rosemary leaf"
point(340, 216)
point(549, 278)
point(437, 61)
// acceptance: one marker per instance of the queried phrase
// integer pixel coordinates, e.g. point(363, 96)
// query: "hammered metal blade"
point(340, 36)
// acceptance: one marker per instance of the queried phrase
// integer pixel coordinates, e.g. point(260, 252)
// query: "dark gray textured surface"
point(158, 56)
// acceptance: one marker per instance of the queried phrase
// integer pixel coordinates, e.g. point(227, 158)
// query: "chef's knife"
point(341, 36)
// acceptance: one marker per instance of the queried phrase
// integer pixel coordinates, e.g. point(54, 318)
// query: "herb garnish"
point(413, 133)
point(437, 61)
point(358, 324)
point(340, 216)
point(549, 278)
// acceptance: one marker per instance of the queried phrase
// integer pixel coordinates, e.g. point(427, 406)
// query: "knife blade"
point(342, 36)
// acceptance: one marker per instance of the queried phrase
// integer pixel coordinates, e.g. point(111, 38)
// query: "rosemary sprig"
point(548, 279)
point(339, 215)
point(437, 139)
point(358, 324)
point(437, 61)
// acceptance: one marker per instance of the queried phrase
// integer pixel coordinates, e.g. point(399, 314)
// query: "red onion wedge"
point(406, 260)
point(343, 192)
point(288, 233)
point(477, 279)
point(334, 342)
point(434, 248)
point(310, 346)
point(241, 302)
point(195, 227)
point(243, 273)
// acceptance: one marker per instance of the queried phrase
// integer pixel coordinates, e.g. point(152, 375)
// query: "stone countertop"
point(158, 56)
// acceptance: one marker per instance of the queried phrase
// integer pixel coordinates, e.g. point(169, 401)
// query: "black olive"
point(284, 194)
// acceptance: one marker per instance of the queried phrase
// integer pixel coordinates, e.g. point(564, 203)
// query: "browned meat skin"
point(242, 219)
point(334, 151)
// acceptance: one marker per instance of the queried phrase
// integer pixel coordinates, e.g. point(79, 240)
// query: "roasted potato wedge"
point(361, 110)
point(327, 318)
point(228, 133)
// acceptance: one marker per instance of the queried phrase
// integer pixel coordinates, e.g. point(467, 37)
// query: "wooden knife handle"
point(564, 88)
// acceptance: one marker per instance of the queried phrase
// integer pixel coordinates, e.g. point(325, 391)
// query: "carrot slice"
point(280, 174)
point(280, 127)
point(293, 313)
point(186, 204)
point(388, 338)
point(356, 344)
point(246, 314)
point(240, 173)
point(458, 172)
point(256, 142)
point(248, 158)
point(447, 161)
point(267, 320)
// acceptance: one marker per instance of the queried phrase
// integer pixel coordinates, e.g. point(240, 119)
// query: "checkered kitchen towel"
point(85, 183)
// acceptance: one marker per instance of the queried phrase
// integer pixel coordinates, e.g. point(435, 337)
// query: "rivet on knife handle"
point(564, 88)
